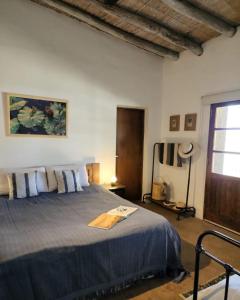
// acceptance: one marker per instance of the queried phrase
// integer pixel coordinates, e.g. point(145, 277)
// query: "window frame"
point(212, 130)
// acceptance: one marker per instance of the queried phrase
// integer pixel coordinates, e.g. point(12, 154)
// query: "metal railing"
point(229, 270)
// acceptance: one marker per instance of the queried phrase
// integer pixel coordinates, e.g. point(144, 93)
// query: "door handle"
point(116, 156)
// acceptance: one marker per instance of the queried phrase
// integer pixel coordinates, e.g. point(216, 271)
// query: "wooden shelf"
point(188, 211)
point(169, 207)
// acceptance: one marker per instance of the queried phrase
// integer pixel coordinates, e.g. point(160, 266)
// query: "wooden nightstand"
point(118, 189)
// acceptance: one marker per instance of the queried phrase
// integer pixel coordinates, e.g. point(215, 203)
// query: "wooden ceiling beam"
point(189, 10)
point(101, 25)
point(148, 25)
point(110, 2)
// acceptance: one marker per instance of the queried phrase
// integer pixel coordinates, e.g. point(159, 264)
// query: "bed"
point(228, 288)
point(48, 252)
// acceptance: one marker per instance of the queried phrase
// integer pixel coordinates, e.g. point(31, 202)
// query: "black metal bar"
point(222, 263)
point(189, 178)
point(226, 285)
point(187, 210)
point(196, 277)
point(149, 195)
point(219, 235)
point(200, 250)
point(153, 164)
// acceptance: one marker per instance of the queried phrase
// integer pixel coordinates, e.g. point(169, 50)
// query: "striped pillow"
point(22, 185)
point(68, 181)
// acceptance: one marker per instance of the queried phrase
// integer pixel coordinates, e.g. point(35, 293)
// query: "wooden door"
point(222, 191)
point(129, 151)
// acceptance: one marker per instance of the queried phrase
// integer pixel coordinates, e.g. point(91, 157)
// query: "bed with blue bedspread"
point(47, 251)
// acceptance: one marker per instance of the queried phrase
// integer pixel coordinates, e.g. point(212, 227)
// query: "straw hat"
point(186, 150)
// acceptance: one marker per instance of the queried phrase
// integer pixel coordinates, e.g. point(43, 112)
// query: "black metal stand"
point(200, 250)
point(149, 195)
point(188, 211)
point(181, 212)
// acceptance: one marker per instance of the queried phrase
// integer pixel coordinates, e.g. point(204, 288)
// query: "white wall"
point(46, 54)
point(184, 83)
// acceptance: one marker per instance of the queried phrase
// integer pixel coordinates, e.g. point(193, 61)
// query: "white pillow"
point(42, 185)
point(52, 181)
point(83, 175)
point(22, 185)
point(68, 181)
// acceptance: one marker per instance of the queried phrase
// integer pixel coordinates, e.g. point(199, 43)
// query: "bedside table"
point(118, 189)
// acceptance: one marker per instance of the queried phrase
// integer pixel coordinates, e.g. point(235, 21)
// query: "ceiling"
point(164, 27)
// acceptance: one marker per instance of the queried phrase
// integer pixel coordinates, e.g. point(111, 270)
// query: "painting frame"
point(174, 123)
point(190, 123)
point(55, 101)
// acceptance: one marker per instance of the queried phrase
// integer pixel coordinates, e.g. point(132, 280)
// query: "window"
point(225, 145)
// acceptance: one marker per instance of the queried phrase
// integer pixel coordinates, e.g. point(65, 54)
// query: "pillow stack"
point(52, 178)
point(29, 182)
point(23, 182)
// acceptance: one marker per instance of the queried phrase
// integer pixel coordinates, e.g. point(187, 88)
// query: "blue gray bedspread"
point(47, 251)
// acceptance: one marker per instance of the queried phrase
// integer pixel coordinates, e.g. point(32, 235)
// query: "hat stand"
point(149, 195)
point(181, 212)
point(187, 211)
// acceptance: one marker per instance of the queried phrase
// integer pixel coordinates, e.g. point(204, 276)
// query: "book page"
point(123, 211)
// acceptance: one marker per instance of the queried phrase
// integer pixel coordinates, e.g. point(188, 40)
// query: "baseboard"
point(223, 227)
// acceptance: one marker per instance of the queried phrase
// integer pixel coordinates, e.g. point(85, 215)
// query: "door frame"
point(209, 173)
point(201, 163)
point(145, 110)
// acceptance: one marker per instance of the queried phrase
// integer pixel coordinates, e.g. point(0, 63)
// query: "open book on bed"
point(112, 217)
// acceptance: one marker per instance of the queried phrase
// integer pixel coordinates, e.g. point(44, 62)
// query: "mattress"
point(48, 252)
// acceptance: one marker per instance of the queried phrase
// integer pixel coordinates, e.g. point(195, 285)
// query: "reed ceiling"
point(164, 25)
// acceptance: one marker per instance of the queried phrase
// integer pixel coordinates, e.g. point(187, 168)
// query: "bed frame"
point(229, 270)
point(93, 170)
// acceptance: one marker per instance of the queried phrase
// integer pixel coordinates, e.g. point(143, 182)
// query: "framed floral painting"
point(38, 116)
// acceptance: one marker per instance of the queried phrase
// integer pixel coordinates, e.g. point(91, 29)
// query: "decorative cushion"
point(52, 181)
point(41, 178)
point(22, 185)
point(83, 175)
point(68, 181)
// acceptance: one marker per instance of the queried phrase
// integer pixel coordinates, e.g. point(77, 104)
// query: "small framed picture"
point(174, 124)
point(190, 122)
